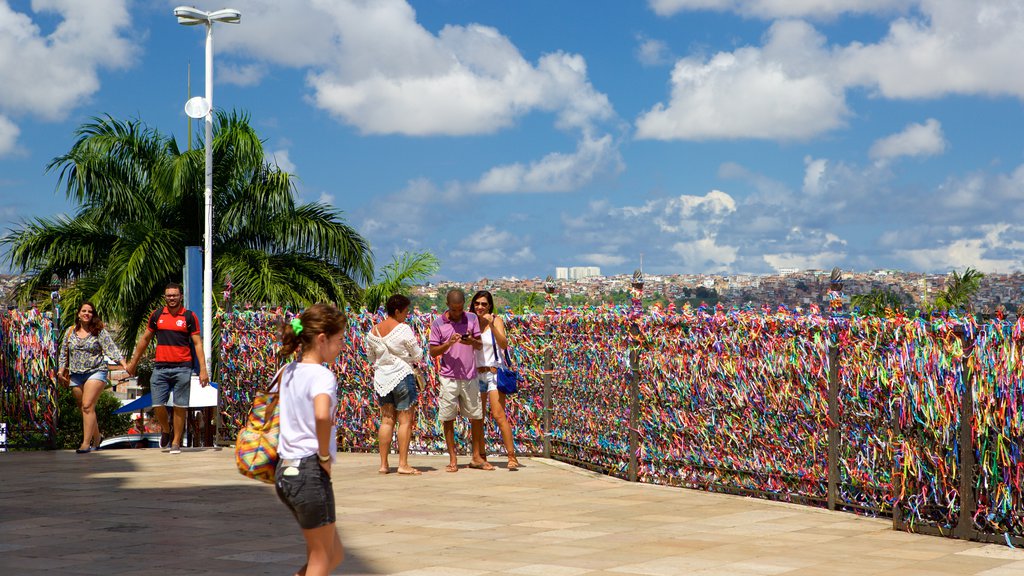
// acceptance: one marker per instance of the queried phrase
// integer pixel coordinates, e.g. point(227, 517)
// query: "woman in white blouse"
point(393, 349)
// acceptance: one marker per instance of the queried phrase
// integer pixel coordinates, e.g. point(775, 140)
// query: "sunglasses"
point(479, 303)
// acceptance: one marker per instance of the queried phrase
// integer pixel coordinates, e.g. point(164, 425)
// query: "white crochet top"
point(392, 356)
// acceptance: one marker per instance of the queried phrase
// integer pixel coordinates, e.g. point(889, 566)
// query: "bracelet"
point(323, 458)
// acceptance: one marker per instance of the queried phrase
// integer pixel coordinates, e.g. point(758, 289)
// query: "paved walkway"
point(150, 513)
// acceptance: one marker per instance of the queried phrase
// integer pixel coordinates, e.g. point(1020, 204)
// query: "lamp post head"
point(191, 16)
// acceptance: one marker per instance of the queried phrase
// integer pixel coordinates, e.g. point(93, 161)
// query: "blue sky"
point(717, 136)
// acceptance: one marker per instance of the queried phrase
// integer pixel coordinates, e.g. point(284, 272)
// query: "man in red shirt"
point(174, 327)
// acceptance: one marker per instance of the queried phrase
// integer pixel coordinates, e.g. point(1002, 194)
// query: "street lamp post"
point(190, 16)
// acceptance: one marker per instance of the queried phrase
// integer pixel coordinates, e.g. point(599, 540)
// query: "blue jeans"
point(166, 379)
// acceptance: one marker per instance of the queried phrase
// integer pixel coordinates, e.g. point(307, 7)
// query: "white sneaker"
point(175, 450)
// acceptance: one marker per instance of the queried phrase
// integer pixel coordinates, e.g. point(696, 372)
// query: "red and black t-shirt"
point(173, 337)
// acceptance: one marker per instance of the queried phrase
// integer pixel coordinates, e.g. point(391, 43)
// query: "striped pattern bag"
point(256, 446)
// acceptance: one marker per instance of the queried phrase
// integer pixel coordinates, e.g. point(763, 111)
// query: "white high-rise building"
point(576, 272)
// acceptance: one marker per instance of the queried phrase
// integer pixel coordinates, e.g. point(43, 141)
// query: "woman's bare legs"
point(323, 551)
point(384, 433)
point(90, 429)
point(405, 425)
point(498, 413)
point(483, 410)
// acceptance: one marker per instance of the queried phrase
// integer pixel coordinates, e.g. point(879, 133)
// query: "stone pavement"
point(150, 513)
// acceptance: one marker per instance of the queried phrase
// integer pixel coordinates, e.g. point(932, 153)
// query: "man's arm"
point(140, 349)
point(204, 376)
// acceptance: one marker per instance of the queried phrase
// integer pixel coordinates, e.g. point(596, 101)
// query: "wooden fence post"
point(968, 505)
point(833, 425)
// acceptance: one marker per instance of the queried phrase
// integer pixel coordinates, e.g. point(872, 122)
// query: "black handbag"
point(508, 378)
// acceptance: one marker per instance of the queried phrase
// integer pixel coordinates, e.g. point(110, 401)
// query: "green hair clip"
point(297, 326)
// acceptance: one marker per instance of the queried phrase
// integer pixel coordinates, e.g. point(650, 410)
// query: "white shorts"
point(458, 396)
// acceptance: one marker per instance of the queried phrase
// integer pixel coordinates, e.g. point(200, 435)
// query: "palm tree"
point(398, 276)
point(959, 290)
point(879, 302)
point(140, 202)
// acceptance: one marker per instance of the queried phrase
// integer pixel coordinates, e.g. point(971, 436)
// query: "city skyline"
point(512, 138)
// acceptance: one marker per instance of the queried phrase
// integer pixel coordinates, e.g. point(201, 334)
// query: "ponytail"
point(302, 330)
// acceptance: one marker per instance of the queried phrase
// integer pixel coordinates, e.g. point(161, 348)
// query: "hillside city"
point(791, 288)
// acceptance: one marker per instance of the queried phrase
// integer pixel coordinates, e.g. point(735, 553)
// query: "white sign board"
point(199, 396)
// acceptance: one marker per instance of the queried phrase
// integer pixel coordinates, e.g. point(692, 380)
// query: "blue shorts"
point(403, 396)
point(80, 378)
point(305, 488)
point(166, 379)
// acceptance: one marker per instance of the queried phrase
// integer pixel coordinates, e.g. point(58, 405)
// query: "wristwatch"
point(324, 458)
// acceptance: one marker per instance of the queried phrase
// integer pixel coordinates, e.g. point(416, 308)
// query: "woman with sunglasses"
point(495, 342)
point(82, 366)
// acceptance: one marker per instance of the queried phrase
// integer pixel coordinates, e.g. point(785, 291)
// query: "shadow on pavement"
point(143, 512)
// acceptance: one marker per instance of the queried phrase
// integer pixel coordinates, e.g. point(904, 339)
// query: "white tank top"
point(485, 355)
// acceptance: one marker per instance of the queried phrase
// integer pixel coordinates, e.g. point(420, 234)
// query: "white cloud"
point(556, 172)
point(952, 47)
point(782, 8)
point(814, 175)
point(652, 52)
point(981, 250)
point(490, 248)
point(815, 261)
point(48, 75)
point(781, 91)
point(8, 136)
point(705, 255)
point(915, 140)
point(240, 75)
point(601, 259)
point(373, 66)
point(281, 159)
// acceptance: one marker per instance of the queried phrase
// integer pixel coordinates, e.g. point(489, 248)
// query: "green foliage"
point(399, 276)
point(959, 290)
point(880, 302)
point(69, 420)
point(140, 202)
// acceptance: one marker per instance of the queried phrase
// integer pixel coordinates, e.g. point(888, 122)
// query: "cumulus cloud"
point(556, 172)
point(782, 8)
point(652, 52)
point(814, 175)
point(489, 247)
point(988, 248)
point(373, 66)
point(782, 91)
point(48, 75)
point(795, 85)
point(281, 160)
point(8, 136)
point(240, 75)
point(915, 140)
point(949, 48)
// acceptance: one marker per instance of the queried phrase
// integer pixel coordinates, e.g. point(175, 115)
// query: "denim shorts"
point(487, 381)
point(166, 379)
point(80, 378)
point(403, 396)
point(305, 488)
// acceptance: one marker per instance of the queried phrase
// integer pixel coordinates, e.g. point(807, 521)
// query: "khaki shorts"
point(459, 396)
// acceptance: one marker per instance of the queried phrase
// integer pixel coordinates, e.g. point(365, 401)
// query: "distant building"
point(576, 272)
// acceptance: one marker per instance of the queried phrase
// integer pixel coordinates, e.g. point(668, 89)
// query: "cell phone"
point(466, 336)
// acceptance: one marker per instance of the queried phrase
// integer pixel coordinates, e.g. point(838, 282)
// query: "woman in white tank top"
point(492, 331)
point(392, 349)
